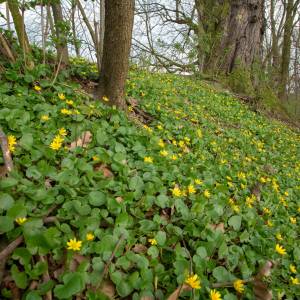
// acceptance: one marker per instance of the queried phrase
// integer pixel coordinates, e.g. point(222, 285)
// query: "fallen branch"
point(11, 247)
point(6, 153)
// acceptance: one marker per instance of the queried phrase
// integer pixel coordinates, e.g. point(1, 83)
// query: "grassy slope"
point(224, 151)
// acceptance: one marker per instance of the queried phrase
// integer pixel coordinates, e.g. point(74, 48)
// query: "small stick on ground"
point(105, 271)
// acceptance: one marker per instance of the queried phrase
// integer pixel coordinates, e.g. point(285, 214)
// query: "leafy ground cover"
point(197, 201)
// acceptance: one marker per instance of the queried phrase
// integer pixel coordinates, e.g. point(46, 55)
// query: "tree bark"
point(61, 41)
point(119, 17)
point(286, 50)
point(241, 42)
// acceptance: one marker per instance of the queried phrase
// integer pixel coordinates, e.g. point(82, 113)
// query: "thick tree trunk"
point(286, 50)
point(116, 49)
point(243, 33)
point(61, 41)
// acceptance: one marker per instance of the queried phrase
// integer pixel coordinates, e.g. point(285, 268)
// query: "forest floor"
point(101, 205)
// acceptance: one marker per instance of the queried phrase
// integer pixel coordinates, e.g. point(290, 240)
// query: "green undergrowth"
point(207, 188)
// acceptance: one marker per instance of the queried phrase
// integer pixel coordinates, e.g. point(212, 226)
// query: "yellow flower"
point(279, 249)
point(181, 144)
point(21, 221)
point(176, 191)
point(65, 111)
point(104, 98)
point(159, 127)
point(11, 140)
point(164, 153)
point(214, 295)
point(293, 220)
point(193, 281)
point(269, 223)
point(235, 208)
point(61, 96)
point(148, 159)
point(263, 179)
point(76, 112)
point(89, 236)
point(153, 242)
point(293, 269)
point(62, 131)
point(74, 245)
point(56, 144)
point(239, 286)
point(95, 158)
point(45, 118)
point(198, 181)
point(279, 236)
point(174, 157)
point(295, 280)
point(70, 102)
point(266, 211)
point(206, 194)
point(241, 175)
point(199, 133)
point(161, 143)
point(37, 88)
point(191, 189)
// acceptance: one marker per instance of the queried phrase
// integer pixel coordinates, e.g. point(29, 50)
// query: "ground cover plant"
point(201, 201)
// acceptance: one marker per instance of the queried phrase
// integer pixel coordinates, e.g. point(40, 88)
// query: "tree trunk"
point(286, 50)
point(61, 41)
point(20, 30)
point(116, 49)
point(241, 42)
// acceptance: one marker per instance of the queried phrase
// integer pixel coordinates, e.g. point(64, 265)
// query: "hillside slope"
point(207, 187)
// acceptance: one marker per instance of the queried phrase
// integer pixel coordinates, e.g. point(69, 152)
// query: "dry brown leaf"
point(82, 141)
point(139, 248)
point(260, 288)
point(218, 227)
point(108, 288)
point(119, 199)
point(175, 295)
point(48, 183)
point(104, 169)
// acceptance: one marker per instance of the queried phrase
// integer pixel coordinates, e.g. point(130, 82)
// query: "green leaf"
point(6, 201)
point(97, 198)
point(20, 278)
point(235, 222)
point(73, 284)
point(160, 237)
point(6, 224)
point(221, 274)
point(153, 251)
point(101, 137)
point(136, 183)
point(33, 295)
point(8, 182)
point(26, 141)
point(124, 288)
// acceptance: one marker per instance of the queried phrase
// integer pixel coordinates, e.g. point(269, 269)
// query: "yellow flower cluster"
point(153, 242)
point(56, 144)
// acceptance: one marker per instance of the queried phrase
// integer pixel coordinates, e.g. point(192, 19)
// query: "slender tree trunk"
point(75, 41)
point(102, 29)
point(286, 50)
point(61, 43)
point(20, 30)
point(241, 42)
point(117, 42)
